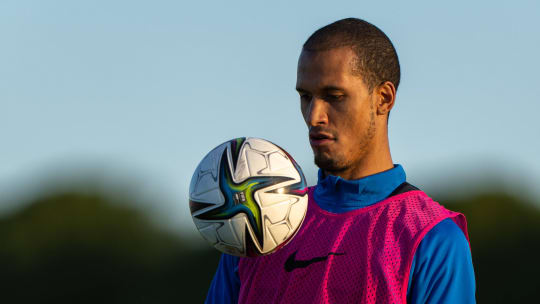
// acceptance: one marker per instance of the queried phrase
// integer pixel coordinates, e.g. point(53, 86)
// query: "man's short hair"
point(376, 57)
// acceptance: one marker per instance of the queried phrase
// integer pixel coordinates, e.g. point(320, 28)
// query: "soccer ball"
point(248, 197)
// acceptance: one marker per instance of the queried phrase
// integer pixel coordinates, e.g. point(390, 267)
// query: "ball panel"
point(256, 162)
point(277, 212)
point(269, 243)
point(206, 182)
point(298, 211)
point(280, 232)
point(227, 234)
point(241, 172)
point(204, 187)
point(273, 196)
point(229, 249)
point(260, 145)
point(211, 161)
point(208, 165)
point(281, 165)
point(214, 198)
point(208, 230)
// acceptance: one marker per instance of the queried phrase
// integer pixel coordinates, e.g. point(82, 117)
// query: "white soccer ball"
point(248, 197)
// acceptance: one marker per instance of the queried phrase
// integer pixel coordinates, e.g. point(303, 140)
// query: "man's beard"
point(330, 164)
point(339, 162)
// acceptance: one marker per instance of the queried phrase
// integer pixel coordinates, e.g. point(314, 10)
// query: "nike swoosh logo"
point(292, 263)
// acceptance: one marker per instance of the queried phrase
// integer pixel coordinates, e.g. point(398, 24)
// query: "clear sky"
point(141, 90)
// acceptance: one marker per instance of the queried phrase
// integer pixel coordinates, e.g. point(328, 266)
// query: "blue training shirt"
point(441, 271)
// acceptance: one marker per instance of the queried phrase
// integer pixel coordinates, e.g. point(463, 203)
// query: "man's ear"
point(385, 95)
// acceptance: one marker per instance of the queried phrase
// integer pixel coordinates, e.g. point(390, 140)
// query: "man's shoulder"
point(403, 188)
point(446, 234)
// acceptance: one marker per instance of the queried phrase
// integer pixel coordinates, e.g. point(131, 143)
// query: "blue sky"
point(137, 92)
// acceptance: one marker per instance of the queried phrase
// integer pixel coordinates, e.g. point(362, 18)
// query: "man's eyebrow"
point(325, 88)
point(332, 88)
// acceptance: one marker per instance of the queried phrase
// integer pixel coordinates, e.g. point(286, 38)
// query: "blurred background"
point(106, 108)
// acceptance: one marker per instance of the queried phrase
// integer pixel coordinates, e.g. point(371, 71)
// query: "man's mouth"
point(320, 138)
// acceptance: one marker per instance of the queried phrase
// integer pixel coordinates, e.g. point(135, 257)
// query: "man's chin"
point(328, 164)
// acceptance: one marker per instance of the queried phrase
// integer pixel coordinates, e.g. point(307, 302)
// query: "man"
point(368, 236)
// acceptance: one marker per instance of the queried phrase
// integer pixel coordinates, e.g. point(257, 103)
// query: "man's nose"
point(316, 114)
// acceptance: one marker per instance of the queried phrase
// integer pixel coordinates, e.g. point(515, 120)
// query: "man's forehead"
point(325, 68)
point(342, 56)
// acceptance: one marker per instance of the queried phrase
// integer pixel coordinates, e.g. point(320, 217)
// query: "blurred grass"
point(84, 248)
point(504, 232)
point(80, 247)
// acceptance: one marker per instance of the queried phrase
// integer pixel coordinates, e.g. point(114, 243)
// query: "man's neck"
point(359, 172)
point(375, 161)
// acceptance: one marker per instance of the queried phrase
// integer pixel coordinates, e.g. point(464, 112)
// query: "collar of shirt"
point(337, 195)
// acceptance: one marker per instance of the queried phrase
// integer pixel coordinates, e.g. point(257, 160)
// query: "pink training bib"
point(361, 256)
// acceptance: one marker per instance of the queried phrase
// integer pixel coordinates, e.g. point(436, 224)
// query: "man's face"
point(337, 108)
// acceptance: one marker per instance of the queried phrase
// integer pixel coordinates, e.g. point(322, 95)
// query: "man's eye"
point(334, 97)
point(305, 97)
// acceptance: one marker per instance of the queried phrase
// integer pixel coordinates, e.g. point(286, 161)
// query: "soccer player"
point(368, 235)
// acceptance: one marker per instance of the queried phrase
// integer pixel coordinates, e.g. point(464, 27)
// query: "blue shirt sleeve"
point(442, 270)
point(225, 286)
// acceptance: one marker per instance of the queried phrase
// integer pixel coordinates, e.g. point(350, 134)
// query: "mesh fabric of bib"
point(361, 256)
